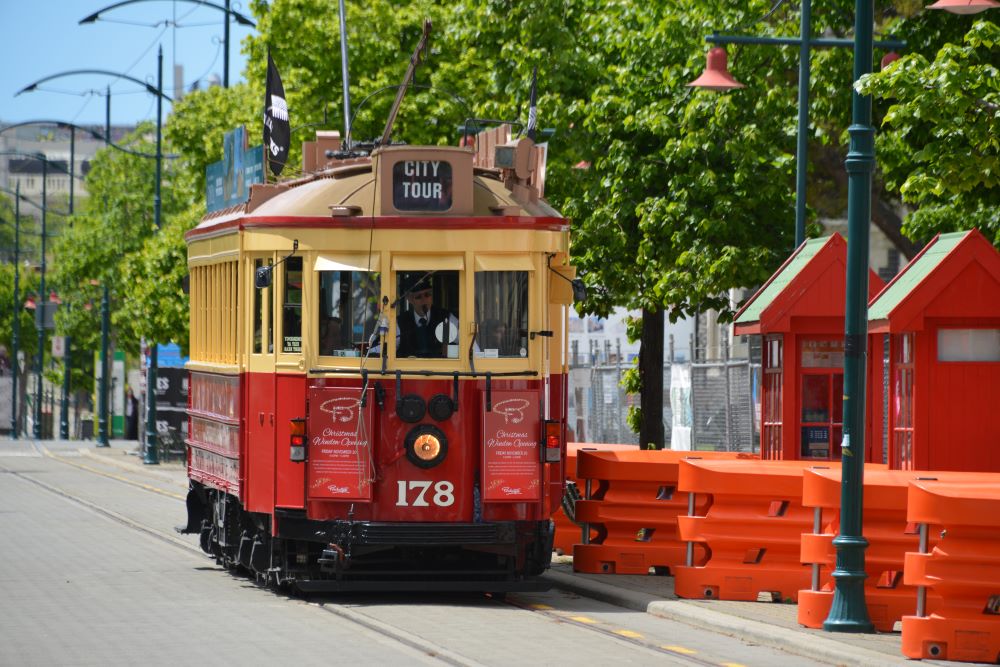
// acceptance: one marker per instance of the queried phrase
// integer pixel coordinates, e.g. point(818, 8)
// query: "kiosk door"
point(821, 398)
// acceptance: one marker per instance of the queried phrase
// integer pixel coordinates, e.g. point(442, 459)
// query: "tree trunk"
point(651, 377)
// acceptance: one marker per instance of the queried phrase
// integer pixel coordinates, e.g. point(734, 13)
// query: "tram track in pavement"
point(429, 649)
point(677, 654)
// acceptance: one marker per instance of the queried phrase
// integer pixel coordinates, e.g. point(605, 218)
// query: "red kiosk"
point(942, 314)
point(799, 313)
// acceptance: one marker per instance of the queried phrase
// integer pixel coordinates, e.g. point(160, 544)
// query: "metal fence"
point(707, 405)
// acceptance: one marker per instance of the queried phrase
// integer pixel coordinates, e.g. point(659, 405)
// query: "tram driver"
point(423, 329)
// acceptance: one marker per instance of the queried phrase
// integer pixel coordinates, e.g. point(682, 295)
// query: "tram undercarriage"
point(328, 556)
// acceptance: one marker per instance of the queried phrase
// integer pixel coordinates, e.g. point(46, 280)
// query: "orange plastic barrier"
point(568, 532)
point(889, 538)
point(632, 511)
point(963, 569)
point(751, 529)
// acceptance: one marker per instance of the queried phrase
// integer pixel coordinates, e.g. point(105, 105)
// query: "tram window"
point(501, 314)
point(427, 323)
point(262, 329)
point(348, 311)
point(291, 307)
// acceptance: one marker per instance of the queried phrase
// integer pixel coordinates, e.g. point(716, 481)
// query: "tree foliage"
point(941, 150)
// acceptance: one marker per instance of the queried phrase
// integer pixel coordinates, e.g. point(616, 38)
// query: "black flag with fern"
point(277, 131)
point(532, 106)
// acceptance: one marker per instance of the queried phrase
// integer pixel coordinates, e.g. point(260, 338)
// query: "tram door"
point(260, 393)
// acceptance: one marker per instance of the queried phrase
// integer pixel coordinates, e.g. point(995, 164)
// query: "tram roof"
point(348, 190)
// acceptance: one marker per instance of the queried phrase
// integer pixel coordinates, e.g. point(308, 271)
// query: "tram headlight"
point(426, 446)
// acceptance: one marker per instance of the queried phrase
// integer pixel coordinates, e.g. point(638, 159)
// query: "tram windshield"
point(348, 311)
point(427, 320)
point(501, 314)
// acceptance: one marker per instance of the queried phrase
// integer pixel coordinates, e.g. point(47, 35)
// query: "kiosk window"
point(968, 344)
point(291, 307)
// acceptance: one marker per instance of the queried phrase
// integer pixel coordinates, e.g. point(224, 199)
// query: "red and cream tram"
point(378, 371)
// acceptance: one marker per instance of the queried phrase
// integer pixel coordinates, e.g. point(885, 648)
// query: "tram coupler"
point(333, 559)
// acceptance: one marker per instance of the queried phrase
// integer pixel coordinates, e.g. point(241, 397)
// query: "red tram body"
point(321, 457)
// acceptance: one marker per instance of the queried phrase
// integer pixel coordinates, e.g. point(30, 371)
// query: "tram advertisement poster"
point(339, 444)
point(511, 461)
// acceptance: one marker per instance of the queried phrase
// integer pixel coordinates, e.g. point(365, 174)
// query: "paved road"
point(94, 574)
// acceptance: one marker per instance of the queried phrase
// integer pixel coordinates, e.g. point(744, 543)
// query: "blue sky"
point(43, 37)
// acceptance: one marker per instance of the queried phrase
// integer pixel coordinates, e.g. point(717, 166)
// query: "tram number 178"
point(413, 493)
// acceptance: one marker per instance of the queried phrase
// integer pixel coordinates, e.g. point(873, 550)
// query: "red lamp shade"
point(889, 59)
point(716, 75)
point(964, 6)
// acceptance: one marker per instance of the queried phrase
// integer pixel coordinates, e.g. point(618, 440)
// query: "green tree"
point(113, 225)
point(688, 193)
point(941, 150)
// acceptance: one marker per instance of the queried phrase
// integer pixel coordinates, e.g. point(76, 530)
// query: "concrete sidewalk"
point(765, 623)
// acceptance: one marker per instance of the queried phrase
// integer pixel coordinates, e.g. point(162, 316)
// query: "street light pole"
point(102, 384)
point(42, 306)
point(151, 456)
point(16, 334)
point(848, 612)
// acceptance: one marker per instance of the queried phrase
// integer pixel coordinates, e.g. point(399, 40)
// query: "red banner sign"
point(511, 460)
point(339, 454)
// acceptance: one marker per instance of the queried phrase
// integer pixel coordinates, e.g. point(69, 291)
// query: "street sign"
point(59, 347)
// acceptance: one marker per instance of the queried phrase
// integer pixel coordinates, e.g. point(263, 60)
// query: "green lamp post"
point(848, 612)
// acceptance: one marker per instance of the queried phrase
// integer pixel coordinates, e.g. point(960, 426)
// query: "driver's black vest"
point(419, 341)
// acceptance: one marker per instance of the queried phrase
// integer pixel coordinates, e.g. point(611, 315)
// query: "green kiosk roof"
point(914, 273)
point(779, 281)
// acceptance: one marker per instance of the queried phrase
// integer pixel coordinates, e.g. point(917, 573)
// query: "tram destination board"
point(422, 185)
